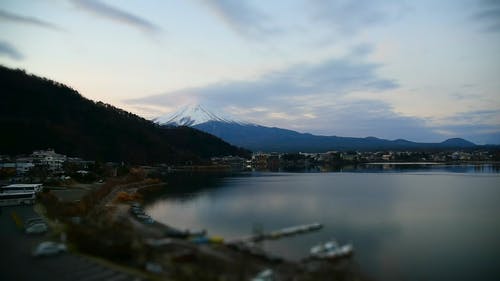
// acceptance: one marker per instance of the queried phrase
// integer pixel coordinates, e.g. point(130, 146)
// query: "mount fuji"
point(271, 139)
point(191, 116)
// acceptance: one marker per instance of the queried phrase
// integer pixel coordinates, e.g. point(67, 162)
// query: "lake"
point(429, 223)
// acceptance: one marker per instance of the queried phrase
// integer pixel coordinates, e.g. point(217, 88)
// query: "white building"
point(49, 158)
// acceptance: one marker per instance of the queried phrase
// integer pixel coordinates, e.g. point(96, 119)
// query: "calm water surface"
point(433, 224)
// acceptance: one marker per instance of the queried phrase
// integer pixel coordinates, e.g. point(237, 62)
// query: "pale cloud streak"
point(241, 17)
point(348, 17)
point(108, 12)
point(26, 20)
point(488, 15)
point(6, 49)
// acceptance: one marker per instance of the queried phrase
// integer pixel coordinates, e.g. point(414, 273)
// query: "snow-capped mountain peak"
point(192, 115)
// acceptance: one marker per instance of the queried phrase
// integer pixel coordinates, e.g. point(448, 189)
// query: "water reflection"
point(406, 226)
point(390, 167)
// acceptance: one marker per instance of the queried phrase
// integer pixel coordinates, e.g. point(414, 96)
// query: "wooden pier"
point(277, 234)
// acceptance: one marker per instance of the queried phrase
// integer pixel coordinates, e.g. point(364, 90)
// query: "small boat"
point(331, 250)
point(265, 275)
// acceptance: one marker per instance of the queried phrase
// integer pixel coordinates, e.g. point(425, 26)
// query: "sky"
point(419, 70)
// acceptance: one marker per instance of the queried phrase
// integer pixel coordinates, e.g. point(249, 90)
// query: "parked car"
point(142, 217)
point(26, 226)
point(156, 243)
point(37, 228)
point(34, 220)
point(153, 267)
point(49, 248)
point(137, 211)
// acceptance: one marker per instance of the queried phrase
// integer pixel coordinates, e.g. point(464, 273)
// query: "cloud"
point(351, 16)
point(346, 117)
point(7, 16)
point(345, 17)
point(10, 51)
point(488, 15)
point(108, 12)
point(326, 80)
point(478, 117)
point(241, 17)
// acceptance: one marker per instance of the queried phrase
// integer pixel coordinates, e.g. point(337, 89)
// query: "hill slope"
point(37, 113)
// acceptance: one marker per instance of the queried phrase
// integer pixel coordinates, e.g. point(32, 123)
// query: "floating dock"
point(277, 234)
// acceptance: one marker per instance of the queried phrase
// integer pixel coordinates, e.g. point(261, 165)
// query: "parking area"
point(18, 263)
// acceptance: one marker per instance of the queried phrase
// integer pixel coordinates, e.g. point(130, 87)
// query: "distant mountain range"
point(37, 113)
point(271, 139)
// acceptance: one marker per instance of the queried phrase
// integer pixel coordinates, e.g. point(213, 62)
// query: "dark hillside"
point(37, 113)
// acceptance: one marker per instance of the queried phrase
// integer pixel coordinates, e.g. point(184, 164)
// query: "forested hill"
point(37, 113)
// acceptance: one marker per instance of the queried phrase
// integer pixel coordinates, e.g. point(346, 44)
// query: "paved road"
point(16, 262)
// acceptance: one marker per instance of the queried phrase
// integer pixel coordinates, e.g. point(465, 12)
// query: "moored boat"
point(331, 250)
